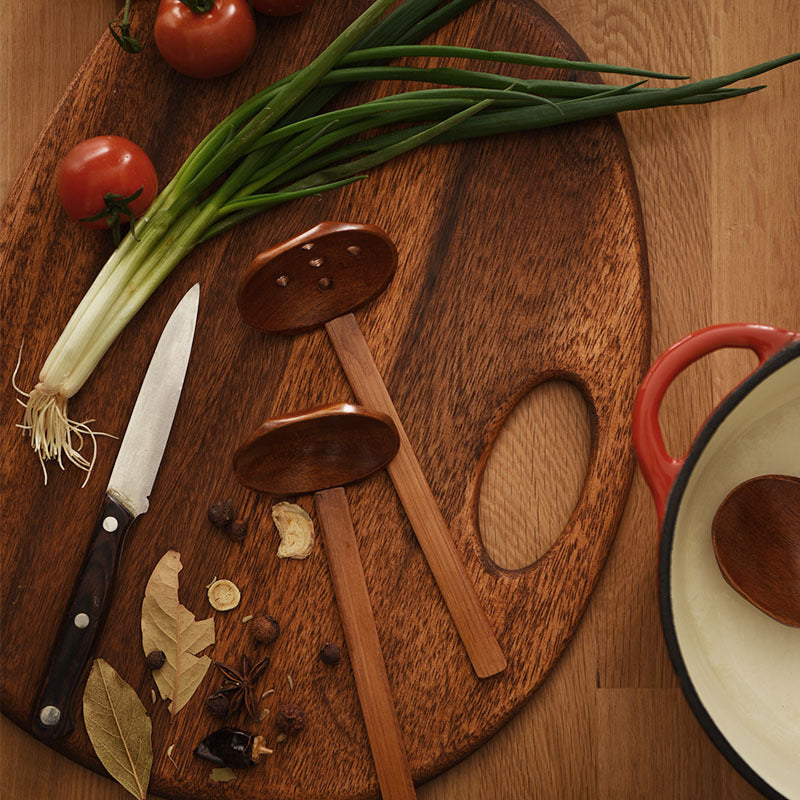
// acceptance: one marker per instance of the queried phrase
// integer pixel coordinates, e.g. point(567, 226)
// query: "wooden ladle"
point(319, 451)
point(318, 278)
point(756, 535)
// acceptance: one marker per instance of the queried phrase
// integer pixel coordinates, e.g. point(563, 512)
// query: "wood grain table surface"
point(720, 195)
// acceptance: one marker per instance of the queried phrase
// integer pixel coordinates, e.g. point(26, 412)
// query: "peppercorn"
point(330, 653)
point(228, 747)
point(237, 530)
point(290, 719)
point(265, 629)
point(221, 513)
point(155, 659)
point(218, 704)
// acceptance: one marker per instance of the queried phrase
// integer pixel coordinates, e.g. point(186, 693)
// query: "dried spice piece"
point(330, 653)
point(224, 595)
point(221, 513)
point(295, 529)
point(237, 530)
point(119, 728)
point(265, 629)
point(290, 719)
point(222, 775)
point(229, 747)
point(172, 628)
point(240, 685)
point(219, 704)
point(155, 659)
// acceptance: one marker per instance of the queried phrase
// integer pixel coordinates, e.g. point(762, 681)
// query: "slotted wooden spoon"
point(756, 535)
point(320, 451)
point(319, 278)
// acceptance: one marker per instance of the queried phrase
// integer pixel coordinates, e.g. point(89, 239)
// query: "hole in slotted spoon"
point(282, 280)
point(325, 283)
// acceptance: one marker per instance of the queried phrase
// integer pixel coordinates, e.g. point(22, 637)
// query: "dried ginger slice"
point(224, 595)
point(296, 530)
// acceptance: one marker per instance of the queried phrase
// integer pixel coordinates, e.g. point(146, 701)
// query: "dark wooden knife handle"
point(53, 715)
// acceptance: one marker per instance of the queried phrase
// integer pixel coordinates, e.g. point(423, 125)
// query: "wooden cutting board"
point(521, 259)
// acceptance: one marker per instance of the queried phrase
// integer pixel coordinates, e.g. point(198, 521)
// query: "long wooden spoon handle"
point(366, 657)
point(419, 503)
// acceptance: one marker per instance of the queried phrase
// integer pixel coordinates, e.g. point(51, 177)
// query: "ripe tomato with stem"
point(106, 180)
point(205, 38)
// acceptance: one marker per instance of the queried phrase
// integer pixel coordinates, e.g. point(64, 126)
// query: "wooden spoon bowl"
point(756, 536)
point(328, 271)
point(317, 449)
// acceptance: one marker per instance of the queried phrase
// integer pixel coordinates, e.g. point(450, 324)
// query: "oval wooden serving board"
point(521, 259)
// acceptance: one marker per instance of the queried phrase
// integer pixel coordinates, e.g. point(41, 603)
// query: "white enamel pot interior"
point(739, 668)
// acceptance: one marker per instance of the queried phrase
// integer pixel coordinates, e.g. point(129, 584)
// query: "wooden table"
point(720, 193)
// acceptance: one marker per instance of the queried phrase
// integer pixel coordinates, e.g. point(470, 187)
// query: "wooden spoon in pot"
point(319, 451)
point(756, 535)
point(318, 278)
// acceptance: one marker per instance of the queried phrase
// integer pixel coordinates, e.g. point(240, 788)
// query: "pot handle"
point(659, 468)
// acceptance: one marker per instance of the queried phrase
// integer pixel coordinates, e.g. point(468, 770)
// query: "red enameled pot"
point(739, 668)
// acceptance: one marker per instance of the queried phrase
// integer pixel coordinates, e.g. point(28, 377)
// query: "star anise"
point(240, 685)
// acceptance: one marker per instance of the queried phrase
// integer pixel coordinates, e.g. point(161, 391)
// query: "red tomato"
point(205, 45)
point(101, 166)
point(281, 8)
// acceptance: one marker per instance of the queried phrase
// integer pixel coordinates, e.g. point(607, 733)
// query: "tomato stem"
point(199, 6)
point(121, 31)
point(116, 206)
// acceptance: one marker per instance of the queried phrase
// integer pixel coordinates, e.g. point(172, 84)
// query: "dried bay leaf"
point(169, 626)
point(119, 728)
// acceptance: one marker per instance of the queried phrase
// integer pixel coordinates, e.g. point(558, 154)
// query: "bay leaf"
point(119, 728)
point(172, 628)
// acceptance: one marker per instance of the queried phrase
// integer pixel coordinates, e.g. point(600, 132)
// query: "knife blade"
point(126, 498)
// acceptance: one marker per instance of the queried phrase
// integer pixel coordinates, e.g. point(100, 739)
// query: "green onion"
point(277, 147)
point(507, 57)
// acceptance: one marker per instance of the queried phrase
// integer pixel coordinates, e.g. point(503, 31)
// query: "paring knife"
point(126, 498)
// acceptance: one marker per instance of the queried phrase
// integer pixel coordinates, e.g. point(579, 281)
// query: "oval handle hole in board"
point(535, 474)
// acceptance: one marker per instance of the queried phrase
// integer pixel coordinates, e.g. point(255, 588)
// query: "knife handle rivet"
point(110, 524)
point(81, 620)
point(49, 716)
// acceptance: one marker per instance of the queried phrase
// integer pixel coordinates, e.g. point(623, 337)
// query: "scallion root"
point(52, 432)
point(54, 436)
